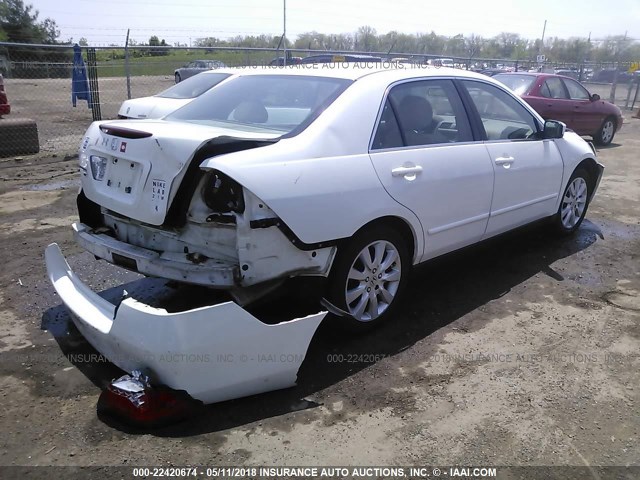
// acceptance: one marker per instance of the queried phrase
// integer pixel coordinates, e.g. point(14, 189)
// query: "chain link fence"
point(38, 80)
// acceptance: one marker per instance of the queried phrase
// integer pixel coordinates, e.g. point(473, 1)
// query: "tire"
point(369, 292)
point(574, 203)
point(178, 78)
point(607, 130)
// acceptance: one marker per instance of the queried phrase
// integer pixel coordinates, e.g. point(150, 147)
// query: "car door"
point(191, 69)
point(424, 154)
point(528, 170)
point(586, 117)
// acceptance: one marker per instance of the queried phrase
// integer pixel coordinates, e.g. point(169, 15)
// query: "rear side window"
point(553, 88)
point(425, 112)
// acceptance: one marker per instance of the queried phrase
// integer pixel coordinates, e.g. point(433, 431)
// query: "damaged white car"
point(342, 172)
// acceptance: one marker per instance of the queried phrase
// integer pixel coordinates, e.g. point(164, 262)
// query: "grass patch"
point(111, 62)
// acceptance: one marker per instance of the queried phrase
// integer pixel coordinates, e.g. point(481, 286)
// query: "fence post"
point(92, 73)
point(126, 65)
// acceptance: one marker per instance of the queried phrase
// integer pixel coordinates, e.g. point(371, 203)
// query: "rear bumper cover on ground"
point(215, 353)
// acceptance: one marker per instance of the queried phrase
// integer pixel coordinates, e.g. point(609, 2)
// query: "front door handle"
point(406, 171)
point(505, 161)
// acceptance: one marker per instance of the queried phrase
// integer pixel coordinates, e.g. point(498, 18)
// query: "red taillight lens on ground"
point(132, 400)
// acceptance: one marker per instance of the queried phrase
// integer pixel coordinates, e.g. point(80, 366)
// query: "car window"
point(576, 91)
point(388, 132)
point(520, 84)
point(193, 86)
point(274, 103)
point(553, 88)
point(424, 112)
point(503, 117)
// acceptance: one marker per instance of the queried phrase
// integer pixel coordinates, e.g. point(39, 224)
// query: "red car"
point(5, 108)
point(556, 97)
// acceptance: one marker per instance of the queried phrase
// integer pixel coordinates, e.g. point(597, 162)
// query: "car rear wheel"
point(178, 78)
point(574, 203)
point(368, 277)
point(606, 132)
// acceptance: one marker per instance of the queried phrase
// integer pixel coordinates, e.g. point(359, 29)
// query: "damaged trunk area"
point(215, 233)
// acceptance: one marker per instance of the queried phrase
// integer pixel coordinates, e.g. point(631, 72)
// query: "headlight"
point(98, 167)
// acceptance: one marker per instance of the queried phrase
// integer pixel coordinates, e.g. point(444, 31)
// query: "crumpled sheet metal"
point(215, 353)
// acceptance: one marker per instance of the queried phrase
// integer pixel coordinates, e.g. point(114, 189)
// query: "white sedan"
point(173, 98)
point(338, 171)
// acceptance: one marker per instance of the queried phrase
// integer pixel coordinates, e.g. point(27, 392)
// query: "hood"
point(151, 107)
point(134, 167)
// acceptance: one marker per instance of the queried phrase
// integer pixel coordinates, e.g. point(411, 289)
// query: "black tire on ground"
point(384, 278)
point(178, 78)
point(574, 203)
point(607, 131)
point(18, 136)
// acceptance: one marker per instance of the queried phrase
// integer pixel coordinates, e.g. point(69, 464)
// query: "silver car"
point(197, 66)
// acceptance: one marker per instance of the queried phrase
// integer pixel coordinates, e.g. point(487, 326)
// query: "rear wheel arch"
point(400, 225)
point(389, 244)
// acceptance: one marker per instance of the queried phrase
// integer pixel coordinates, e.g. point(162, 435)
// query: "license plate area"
point(123, 176)
point(124, 262)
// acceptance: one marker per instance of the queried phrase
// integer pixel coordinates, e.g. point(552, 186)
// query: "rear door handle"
point(404, 171)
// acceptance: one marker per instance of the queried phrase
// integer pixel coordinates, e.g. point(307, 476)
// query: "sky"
point(103, 23)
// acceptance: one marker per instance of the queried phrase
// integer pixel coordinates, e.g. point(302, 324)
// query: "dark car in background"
point(607, 76)
point(556, 97)
point(279, 61)
point(5, 108)
point(568, 73)
point(195, 67)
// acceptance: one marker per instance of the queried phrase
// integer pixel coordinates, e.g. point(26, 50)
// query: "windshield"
point(194, 86)
point(520, 84)
point(273, 103)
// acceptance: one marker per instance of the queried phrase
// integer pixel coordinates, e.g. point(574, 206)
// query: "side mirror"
point(553, 129)
point(594, 97)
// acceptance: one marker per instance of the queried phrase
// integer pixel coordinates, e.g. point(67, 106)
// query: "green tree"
point(19, 23)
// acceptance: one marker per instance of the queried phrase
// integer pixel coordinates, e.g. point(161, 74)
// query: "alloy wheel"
point(373, 280)
point(573, 203)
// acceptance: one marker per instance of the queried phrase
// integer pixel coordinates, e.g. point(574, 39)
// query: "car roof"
point(392, 71)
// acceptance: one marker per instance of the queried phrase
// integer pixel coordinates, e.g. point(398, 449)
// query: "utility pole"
point(544, 28)
point(284, 36)
point(126, 65)
point(612, 95)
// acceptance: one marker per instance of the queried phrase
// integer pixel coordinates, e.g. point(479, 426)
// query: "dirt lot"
point(521, 351)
